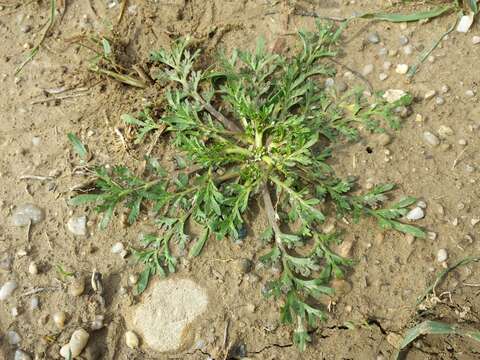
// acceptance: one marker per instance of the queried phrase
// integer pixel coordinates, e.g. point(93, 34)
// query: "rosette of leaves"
point(255, 127)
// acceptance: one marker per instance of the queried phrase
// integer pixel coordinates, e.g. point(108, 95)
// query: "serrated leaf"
point(197, 247)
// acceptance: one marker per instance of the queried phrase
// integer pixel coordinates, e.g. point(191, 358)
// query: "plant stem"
point(229, 124)
point(271, 215)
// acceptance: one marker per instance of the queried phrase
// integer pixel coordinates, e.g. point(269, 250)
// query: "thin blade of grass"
point(416, 16)
point(78, 147)
point(442, 275)
point(430, 327)
point(122, 78)
point(426, 53)
point(36, 48)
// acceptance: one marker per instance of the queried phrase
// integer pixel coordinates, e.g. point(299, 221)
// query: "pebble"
point(445, 131)
point(393, 52)
point(33, 268)
point(77, 287)
point(97, 324)
point(401, 69)
point(367, 69)
point(430, 138)
point(469, 93)
point(445, 89)
point(432, 235)
point(117, 248)
point(442, 255)
point(462, 142)
point(329, 82)
point(77, 343)
point(77, 225)
point(133, 279)
point(383, 51)
point(21, 355)
point(476, 40)
point(7, 289)
point(393, 95)
point(131, 339)
point(384, 139)
point(373, 38)
point(422, 204)
point(34, 303)
point(429, 94)
point(6, 263)
point(465, 23)
point(25, 28)
point(416, 213)
point(439, 100)
point(403, 40)
point(13, 338)
point(408, 50)
point(26, 213)
point(395, 340)
point(383, 76)
point(59, 319)
point(387, 65)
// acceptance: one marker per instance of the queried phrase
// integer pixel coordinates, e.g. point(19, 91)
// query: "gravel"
point(13, 338)
point(401, 69)
point(442, 255)
point(25, 214)
point(403, 40)
point(430, 138)
point(7, 289)
point(476, 40)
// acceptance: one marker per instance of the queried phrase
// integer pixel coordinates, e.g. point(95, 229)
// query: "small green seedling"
point(255, 127)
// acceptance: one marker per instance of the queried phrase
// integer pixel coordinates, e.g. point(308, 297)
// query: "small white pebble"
point(430, 138)
point(36, 141)
point(133, 279)
point(14, 311)
point(439, 100)
point(59, 319)
point(33, 268)
point(476, 40)
point(21, 355)
point(462, 142)
point(7, 290)
point(34, 303)
point(445, 89)
point(383, 76)
point(469, 93)
point(387, 65)
point(442, 255)
point(408, 50)
point(401, 69)
point(432, 235)
point(422, 204)
point(367, 69)
point(13, 338)
point(416, 213)
point(117, 248)
point(131, 339)
point(429, 94)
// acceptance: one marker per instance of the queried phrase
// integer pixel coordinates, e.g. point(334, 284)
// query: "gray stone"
point(442, 255)
point(403, 40)
point(25, 214)
point(21, 355)
point(167, 308)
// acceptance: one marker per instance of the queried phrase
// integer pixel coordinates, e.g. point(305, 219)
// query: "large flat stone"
point(167, 309)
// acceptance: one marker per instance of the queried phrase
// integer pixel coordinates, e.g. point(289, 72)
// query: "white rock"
point(25, 214)
point(465, 23)
point(445, 131)
point(469, 93)
point(383, 76)
point(442, 255)
point(117, 248)
point(408, 50)
point(131, 339)
point(432, 235)
point(430, 94)
point(415, 214)
point(13, 338)
point(59, 319)
point(422, 204)
point(401, 69)
point(33, 268)
point(21, 355)
point(367, 69)
point(387, 65)
point(77, 225)
point(430, 138)
point(34, 303)
point(476, 40)
point(77, 343)
point(393, 95)
point(7, 290)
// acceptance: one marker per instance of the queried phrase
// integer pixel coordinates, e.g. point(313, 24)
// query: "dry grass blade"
point(435, 328)
point(412, 17)
point(444, 273)
point(36, 48)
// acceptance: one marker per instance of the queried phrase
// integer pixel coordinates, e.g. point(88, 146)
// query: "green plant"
point(255, 127)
